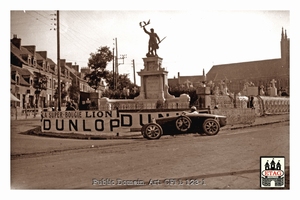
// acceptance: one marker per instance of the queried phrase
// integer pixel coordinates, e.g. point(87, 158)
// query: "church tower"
point(285, 49)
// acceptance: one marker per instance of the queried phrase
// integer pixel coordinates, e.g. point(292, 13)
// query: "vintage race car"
point(185, 123)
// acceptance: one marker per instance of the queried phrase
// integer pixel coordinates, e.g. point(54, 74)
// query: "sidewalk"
point(32, 127)
point(263, 120)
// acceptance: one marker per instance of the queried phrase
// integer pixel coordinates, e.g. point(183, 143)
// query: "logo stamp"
point(272, 174)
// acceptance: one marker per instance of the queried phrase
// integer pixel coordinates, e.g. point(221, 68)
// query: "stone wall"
point(181, 102)
point(236, 115)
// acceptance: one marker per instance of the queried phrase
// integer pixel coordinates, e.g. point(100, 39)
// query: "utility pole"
point(58, 63)
point(113, 68)
point(133, 65)
point(116, 64)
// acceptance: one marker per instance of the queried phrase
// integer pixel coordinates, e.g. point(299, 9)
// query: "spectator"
point(74, 104)
point(70, 106)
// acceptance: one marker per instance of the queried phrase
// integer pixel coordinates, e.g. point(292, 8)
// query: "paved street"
point(28, 144)
point(229, 160)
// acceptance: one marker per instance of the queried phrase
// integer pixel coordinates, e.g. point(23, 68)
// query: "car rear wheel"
point(211, 126)
point(153, 131)
point(183, 123)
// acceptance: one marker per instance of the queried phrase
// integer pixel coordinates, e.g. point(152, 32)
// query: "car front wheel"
point(153, 131)
point(211, 126)
point(183, 123)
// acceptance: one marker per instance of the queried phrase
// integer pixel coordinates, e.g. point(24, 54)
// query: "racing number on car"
point(183, 123)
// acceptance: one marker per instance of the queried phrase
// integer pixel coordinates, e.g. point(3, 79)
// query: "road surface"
point(229, 160)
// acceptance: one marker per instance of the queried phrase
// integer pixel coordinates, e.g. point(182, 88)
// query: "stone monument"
point(154, 78)
point(261, 91)
point(154, 87)
point(273, 89)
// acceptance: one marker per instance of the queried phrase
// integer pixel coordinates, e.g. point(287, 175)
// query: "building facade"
point(257, 73)
point(27, 65)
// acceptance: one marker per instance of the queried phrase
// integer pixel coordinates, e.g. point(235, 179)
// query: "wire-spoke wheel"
point(183, 123)
point(211, 126)
point(153, 131)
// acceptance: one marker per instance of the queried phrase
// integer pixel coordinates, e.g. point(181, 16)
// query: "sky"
point(194, 39)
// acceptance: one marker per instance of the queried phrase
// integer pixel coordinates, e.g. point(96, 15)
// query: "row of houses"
point(28, 64)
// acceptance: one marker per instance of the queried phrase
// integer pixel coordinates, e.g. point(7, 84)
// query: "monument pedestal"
point(154, 81)
point(154, 87)
point(273, 92)
point(204, 99)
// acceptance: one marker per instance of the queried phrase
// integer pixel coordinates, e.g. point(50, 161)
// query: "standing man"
point(153, 44)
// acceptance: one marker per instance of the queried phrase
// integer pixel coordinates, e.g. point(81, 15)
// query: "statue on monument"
point(154, 40)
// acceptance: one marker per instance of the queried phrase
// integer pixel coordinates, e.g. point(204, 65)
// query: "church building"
point(260, 73)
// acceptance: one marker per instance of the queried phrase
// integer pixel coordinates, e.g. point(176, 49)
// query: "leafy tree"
point(74, 92)
point(125, 88)
point(40, 83)
point(63, 92)
point(97, 63)
point(178, 90)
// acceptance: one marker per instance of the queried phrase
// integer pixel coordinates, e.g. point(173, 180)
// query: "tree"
point(63, 92)
point(178, 90)
point(125, 88)
point(97, 63)
point(40, 83)
point(74, 92)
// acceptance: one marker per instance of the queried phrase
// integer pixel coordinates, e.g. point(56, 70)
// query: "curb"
point(37, 132)
point(254, 125)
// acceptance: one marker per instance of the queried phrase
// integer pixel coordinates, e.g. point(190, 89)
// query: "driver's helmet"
point(193, 108)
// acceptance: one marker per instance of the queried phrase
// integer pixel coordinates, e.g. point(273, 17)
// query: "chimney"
point(30, 48)
point(62, 62)
point(16, 41)
point(43, 54)
point(69, 64)
point(76, 67)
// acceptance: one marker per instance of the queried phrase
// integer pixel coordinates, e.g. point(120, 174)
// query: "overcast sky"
point(195, 39)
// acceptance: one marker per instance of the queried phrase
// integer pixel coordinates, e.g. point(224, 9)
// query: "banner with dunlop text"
point(97, 122)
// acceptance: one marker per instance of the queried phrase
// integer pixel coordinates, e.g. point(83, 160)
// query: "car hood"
point(191, 115)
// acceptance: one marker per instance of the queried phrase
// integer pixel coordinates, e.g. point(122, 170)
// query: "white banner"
point(97, 122)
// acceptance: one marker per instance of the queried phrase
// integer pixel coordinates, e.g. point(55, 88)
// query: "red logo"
point(272, 173)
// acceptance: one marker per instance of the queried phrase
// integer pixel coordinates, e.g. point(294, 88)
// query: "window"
point(18, 103)
point(17, 79)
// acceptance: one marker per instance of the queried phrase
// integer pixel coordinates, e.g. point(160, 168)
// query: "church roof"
point(248, 70)
point(193, 79)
